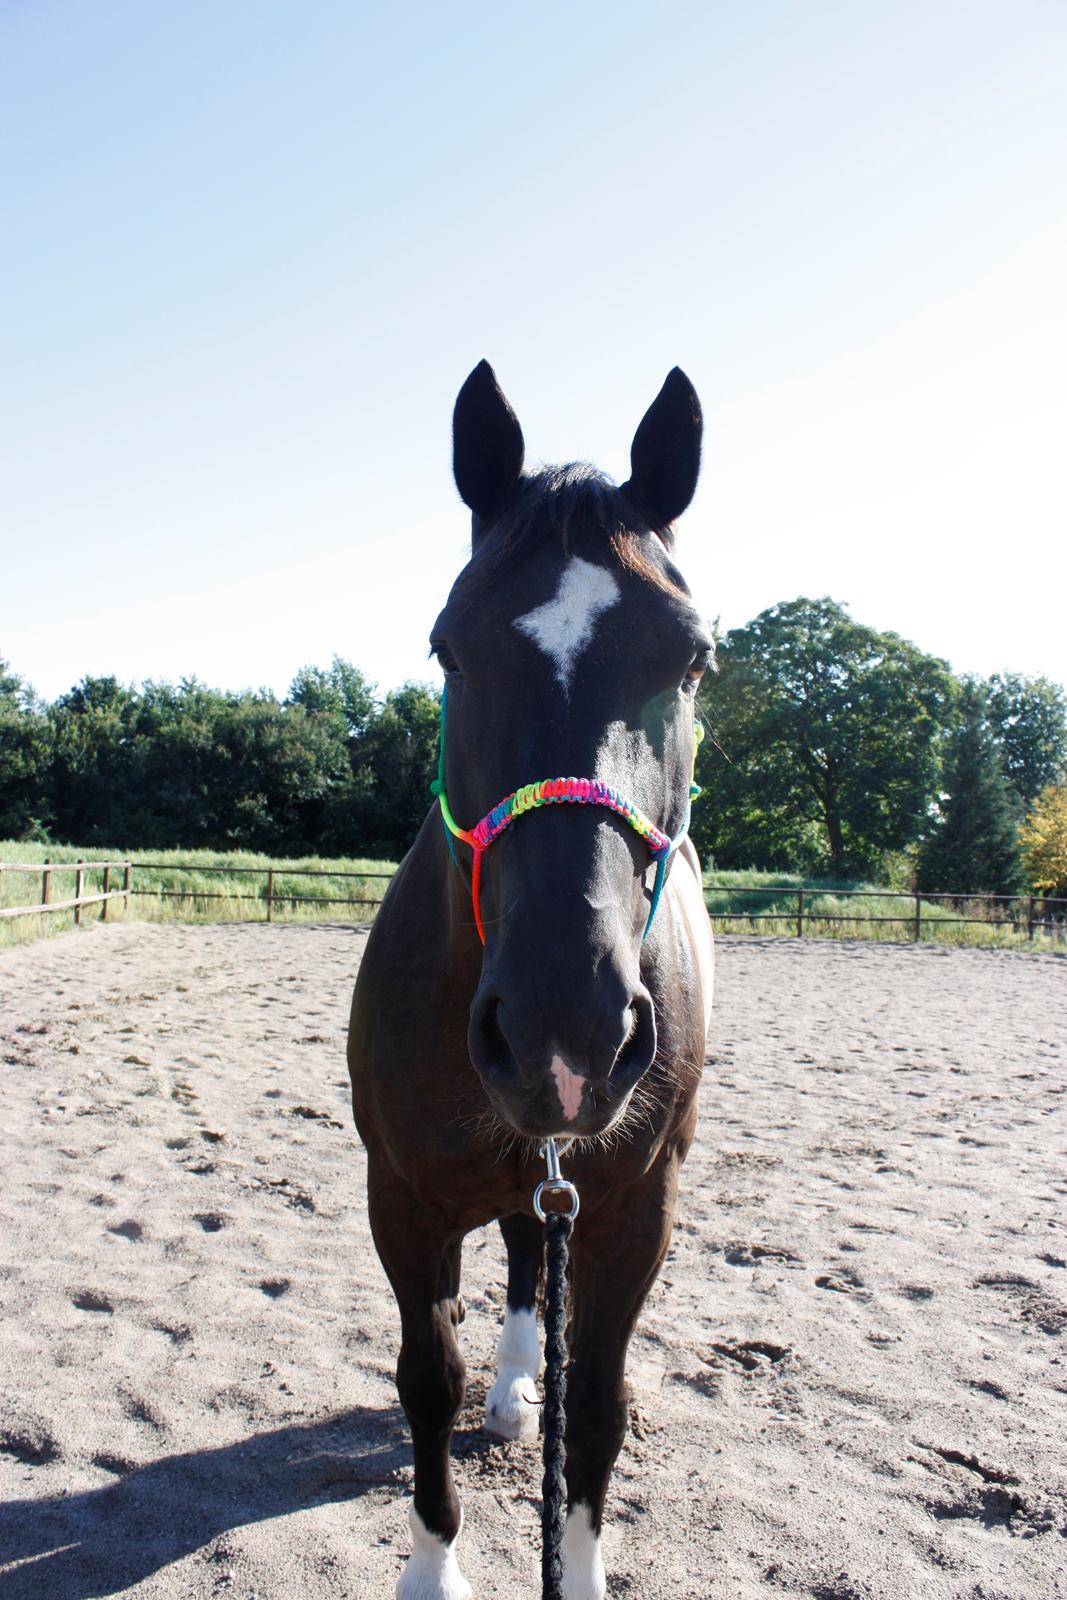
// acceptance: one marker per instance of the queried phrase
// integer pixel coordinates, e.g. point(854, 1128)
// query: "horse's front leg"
point(422, 1259)
point(512, 1407)
point(616, 1255)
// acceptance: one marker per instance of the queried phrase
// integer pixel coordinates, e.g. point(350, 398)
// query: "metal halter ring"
point(554, 1184)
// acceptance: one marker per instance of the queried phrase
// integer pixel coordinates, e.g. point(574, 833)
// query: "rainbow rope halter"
point(556, 791)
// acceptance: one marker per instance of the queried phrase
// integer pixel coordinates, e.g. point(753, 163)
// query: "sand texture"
point(848, 1384)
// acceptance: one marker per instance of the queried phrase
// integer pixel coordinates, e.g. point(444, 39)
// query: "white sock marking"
point(564, 625)
point(512, 1409)
point(583, 1565)
point(569, 1086)
point(432, 1571)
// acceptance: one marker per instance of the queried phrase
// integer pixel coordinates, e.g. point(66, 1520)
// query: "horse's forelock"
point(546, 505)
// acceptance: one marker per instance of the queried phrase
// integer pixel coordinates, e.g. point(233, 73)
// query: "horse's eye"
point(447, 660)
point(698, 666)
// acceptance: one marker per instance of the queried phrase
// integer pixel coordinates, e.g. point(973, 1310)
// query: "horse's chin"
point(536, 1118)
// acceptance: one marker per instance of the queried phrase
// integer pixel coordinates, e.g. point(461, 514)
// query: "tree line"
point(834, 750)
point(841, 751)
point(332, 769)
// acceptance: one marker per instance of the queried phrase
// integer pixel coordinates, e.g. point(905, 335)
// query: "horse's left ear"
point(665, 454)
point(487, 443)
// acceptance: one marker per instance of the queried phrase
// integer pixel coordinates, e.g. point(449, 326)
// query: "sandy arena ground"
point(849, 1383)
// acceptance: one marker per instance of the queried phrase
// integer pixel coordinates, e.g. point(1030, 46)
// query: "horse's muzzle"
point(549, 1079)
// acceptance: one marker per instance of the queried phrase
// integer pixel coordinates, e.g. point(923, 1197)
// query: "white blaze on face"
point(583, 1565)
point(564, 625)
point(512, 1407)
point(432, 1571)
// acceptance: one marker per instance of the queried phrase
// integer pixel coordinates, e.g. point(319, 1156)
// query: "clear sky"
point(252, 248)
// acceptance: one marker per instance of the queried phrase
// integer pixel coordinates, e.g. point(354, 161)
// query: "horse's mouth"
point(539, 1114)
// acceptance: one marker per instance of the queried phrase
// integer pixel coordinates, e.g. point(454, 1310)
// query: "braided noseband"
point(554, 791)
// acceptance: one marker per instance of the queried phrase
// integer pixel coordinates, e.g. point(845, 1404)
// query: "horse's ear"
point(665, 454)
point(487, 443)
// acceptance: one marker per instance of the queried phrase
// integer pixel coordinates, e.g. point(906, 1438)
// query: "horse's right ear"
point(487, 443)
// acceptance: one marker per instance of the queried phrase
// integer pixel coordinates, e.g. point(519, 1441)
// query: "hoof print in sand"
point(128, 1230)
point(140, 1410)
point(996, 1500)
point(751, 1355)
point(118, 1466)
point(842, 1281)
point(210, 1221)
point(34, 1447)
point(310, 1114)
point(178, 1333)
point(744, 1358)
point(1032, 1303)
point(754, 1255)
point(274, 1288)
point(89, 1300)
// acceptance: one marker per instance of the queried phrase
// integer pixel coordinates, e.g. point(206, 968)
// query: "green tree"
point(974, 845)
point(25, 757)
point(1028, 719)
point(92, 748)
point(339, 690)
point(231, 770)
point(826, 742)
point(399, 751)
point(165, 766)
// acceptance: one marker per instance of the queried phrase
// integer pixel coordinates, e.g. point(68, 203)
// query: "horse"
point(546, 973)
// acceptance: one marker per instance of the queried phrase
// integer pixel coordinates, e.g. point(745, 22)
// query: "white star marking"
point(564, 625)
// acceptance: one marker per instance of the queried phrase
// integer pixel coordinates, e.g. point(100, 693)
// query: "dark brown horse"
point(569, 644)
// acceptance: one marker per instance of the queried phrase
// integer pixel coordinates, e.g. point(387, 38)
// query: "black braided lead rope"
point(553, 1486)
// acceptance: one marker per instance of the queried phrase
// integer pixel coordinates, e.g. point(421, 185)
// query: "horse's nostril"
point(489, 1048)
point(638, 1050)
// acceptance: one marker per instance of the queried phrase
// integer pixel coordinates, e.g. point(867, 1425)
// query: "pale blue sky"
point(252, 249)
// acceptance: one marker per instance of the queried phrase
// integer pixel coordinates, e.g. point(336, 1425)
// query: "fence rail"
point(272, 896)
point(1032, 912)
point(794, 906)
point(45, 870)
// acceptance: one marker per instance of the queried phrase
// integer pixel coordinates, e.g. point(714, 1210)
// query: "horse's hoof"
point(510, 1411)
point(432, 1571)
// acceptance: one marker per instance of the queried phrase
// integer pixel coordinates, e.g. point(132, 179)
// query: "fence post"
point(1030, 918)
point(800, 913)
point(46, 881)
point(107, 887)
point(270, 894)
point(126, 887)
point(79, 884)
point(918, 918)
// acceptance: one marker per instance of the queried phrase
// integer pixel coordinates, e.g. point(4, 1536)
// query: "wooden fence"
point(1019, 913)
point(46, 870)
point(272, 896)
point(795, 908)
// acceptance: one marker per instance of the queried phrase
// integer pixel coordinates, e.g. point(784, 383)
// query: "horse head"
point(570, 645)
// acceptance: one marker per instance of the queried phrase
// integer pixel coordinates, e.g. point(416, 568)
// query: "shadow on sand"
point(102, 1541)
